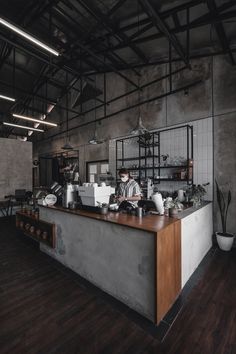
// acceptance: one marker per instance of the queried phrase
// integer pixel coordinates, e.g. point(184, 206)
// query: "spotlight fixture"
point(7, 98)
point(27, 36)
point(23, 127)
point(34, 120)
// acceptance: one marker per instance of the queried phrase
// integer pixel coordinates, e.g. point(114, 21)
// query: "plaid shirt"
point(129, 189)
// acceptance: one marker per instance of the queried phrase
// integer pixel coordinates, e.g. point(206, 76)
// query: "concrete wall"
point(214, 97)
point(15, 166)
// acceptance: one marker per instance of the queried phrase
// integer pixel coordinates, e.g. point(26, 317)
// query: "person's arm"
point(129, 199)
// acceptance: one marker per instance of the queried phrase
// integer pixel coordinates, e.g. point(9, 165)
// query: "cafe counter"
point(139, 261)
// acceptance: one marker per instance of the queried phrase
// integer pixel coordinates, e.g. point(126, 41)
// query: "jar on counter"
point(166, 211)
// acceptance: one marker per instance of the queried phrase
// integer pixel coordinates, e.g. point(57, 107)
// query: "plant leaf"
point(221, 203)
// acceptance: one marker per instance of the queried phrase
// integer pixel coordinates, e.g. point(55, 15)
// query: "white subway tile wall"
point(174, 143)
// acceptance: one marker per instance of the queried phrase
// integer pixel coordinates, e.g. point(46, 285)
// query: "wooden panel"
point(151, 223)
point(168, 265)
point(38, 224)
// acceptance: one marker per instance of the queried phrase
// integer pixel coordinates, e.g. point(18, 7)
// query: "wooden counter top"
point(150, 223)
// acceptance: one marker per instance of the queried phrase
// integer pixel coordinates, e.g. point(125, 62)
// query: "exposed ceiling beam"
point(37, 96)
point(100, 17)
point(115, 7)
point(195, 83)
point(199, 22)
point(166, 61)
point(75, 26)
point(163, 27)
point(164, 15)
point(220, 30)
point(141, 87)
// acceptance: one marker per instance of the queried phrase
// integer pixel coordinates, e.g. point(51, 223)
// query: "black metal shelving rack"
point(147, 154)
point(152, 152)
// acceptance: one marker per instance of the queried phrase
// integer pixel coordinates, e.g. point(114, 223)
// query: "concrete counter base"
point(140, 268)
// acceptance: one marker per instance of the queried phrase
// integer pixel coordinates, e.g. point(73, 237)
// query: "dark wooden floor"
point(45, 309)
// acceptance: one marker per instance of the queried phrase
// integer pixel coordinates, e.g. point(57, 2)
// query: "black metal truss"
point(39, 97)
point(108, 24)
point(220, 30)
point(141, 87)
point(77, 44)
point(203, 20)
point(162, 26)
point(97, 53)
point(183, 88)
point(147, 21)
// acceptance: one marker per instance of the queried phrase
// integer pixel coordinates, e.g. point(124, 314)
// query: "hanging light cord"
point(67, 115)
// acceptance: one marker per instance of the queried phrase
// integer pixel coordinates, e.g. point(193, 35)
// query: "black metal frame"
point(98, 53)
point(155, 156)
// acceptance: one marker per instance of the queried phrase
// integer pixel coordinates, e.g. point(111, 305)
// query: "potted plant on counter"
point(224, 239)
point(198, 192)
point(174, 206)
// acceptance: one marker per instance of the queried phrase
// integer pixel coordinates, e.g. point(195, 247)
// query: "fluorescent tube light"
point(23, 127)
point(27, 36)
point(34, 120)
point(7, 98)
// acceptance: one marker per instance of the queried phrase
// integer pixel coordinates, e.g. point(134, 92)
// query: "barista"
point(128, 189)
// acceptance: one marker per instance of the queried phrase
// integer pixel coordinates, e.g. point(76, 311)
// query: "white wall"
point(196, 240)
point(15, 166)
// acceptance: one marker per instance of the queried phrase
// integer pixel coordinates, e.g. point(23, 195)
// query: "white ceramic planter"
point(225, 242)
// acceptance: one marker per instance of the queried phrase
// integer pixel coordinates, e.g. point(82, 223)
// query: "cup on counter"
point(139, 212)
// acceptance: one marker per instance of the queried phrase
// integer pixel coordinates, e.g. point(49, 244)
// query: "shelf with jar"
point(28, 222)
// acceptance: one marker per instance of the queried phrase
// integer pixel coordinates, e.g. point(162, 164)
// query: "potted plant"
point(224, 239)
point(198, 192)
point(174, 206)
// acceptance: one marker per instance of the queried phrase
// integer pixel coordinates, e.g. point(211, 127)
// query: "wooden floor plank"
point(44, 308)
